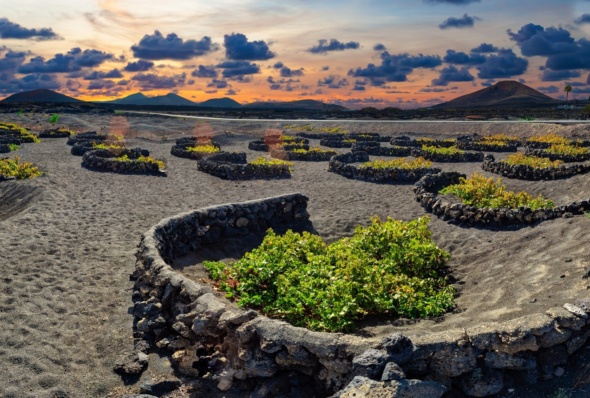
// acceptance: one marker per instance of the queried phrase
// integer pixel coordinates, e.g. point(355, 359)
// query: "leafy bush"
point(15, 128)
point(54, 118)
point(427, 140)
point(390, 267)
point(551, 138)
point(14, 168)
point(145, 159)
point(565, 149)
point(203, 149)
point(520, 158)
point(313, 150)
point(309, 128)
point(288, 138)
point(441, 151)
point(499, 137)
point(402, 163)
point(96, 145)
point(479, 191)
point(263, 162)
point(13, 147)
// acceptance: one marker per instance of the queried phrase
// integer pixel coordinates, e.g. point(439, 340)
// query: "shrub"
point(551, 138)
point(499, 137)
point(145, 159)
point(430, 141)
point(402, 163)
point(203, 149)
point(442, 151)
point(13, 147)
point(567, 150)
point(312, 150)
point(520, 158)
point(479, 191)
point(26, 136)
point(96, 145)
point(391, 267)
point(288, 138)
point(263, 162)
point(309, 128)
point(20, 171)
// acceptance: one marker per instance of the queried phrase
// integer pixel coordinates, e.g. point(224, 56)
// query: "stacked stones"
point(204, 333)
point(449, 157)
point(375, 149)
point(11, 136)
point(309, 155)
point(564, 157)
point(427, 187)
point(476, 143)
point(545, 145)
point(180, 148)
point(233, 166)
point(524, 172)
point(348, 140)
point(106, 160)
point(342, 164)
point(83, 142)
point(58, 132)
point(408, 142)
point(262, 146)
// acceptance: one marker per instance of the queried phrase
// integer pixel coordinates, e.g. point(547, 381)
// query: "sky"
point(363, 53)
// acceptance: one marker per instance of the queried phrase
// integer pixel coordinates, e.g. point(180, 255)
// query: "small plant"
point(271, 163)
point(442, 151)
point(391, 267)
point(20, 112)
point(482, 192)
point(568, 150)
point(13, 147)
point(19, 170)
point(144, 159)
point(520, 158)
point(288, 138)
point(402, 163)
point(499, 137)
point(312, 150)
point(203, 149)
point(551, 138)
point(101, 145)
point(54, 118)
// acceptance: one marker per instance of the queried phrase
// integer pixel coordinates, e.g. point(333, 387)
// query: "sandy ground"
point(68, 240)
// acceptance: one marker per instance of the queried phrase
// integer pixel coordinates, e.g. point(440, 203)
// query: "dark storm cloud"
point(549, 89)
point(325, 46)
point(11, 30)
point(205, 71)
point(101, 85)
point(395, 68)
point(582, 19)
point(288, 72)
point(485, 48)
point(465, 21)
point(456, 2)
point(238, 68)
point(460, 58)
point(72, 61)
point(379, 47)
point(139, 66)
point(151, 81)
point(333, 81)
point(237, 47)
point(10, 84)
point(452, 74)
point(157, 47)
point(97, 75)
point(12, 60)
point(558, 75)
point(278, 65)
point(503, 64)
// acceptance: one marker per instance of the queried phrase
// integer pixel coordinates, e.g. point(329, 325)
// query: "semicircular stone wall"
point(206, 334)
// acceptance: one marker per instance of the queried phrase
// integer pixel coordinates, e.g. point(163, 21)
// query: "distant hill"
point(507, 93)
point(169, 99)
point(220, 103)
point(41, 95)
point(297, 105)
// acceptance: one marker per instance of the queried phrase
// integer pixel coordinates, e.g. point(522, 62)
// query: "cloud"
point(72, 61)
point(558, 75)
point(395, 68)
point(458, 23)
point(151, 81)
point(101, 85)
point(333, 81)
point(503, 64)
point(238, 68)
point(237, 47)
point(549, 89)
point(360, 84)
point(582, 19)
point(205, 71)
point(9, 84)
point(231, 92)
point(333, 45)
point(455, 2)
point(218, 84)
point(288, 72)
point(157, 47)
point(139, 66)
point(536, 40)
point(96, 75)
point(485, 48)
point(379, 47)
point(436, 89)
point(325, 67)
point(11, 30)
point(11, 61)
point(460, 58)
point(452, 74)
point(278, 65)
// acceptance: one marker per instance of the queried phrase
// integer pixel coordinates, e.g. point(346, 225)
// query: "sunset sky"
point(402, 53)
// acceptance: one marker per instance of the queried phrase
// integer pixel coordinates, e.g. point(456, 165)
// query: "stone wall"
point(180, 149)
point(486, 147)
point(55, 133)
point(377, 150)
point(10, 139)
point(233, 166)
point(309, 156)
point(204, 333)
point(332, 142)
point(4, 148)
point(447, 158)
point(541, 153)
point(261, 146)
point(407, 141)
point(342, 164)
point(106, 160)
point(426, 192)
point(524, 172)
